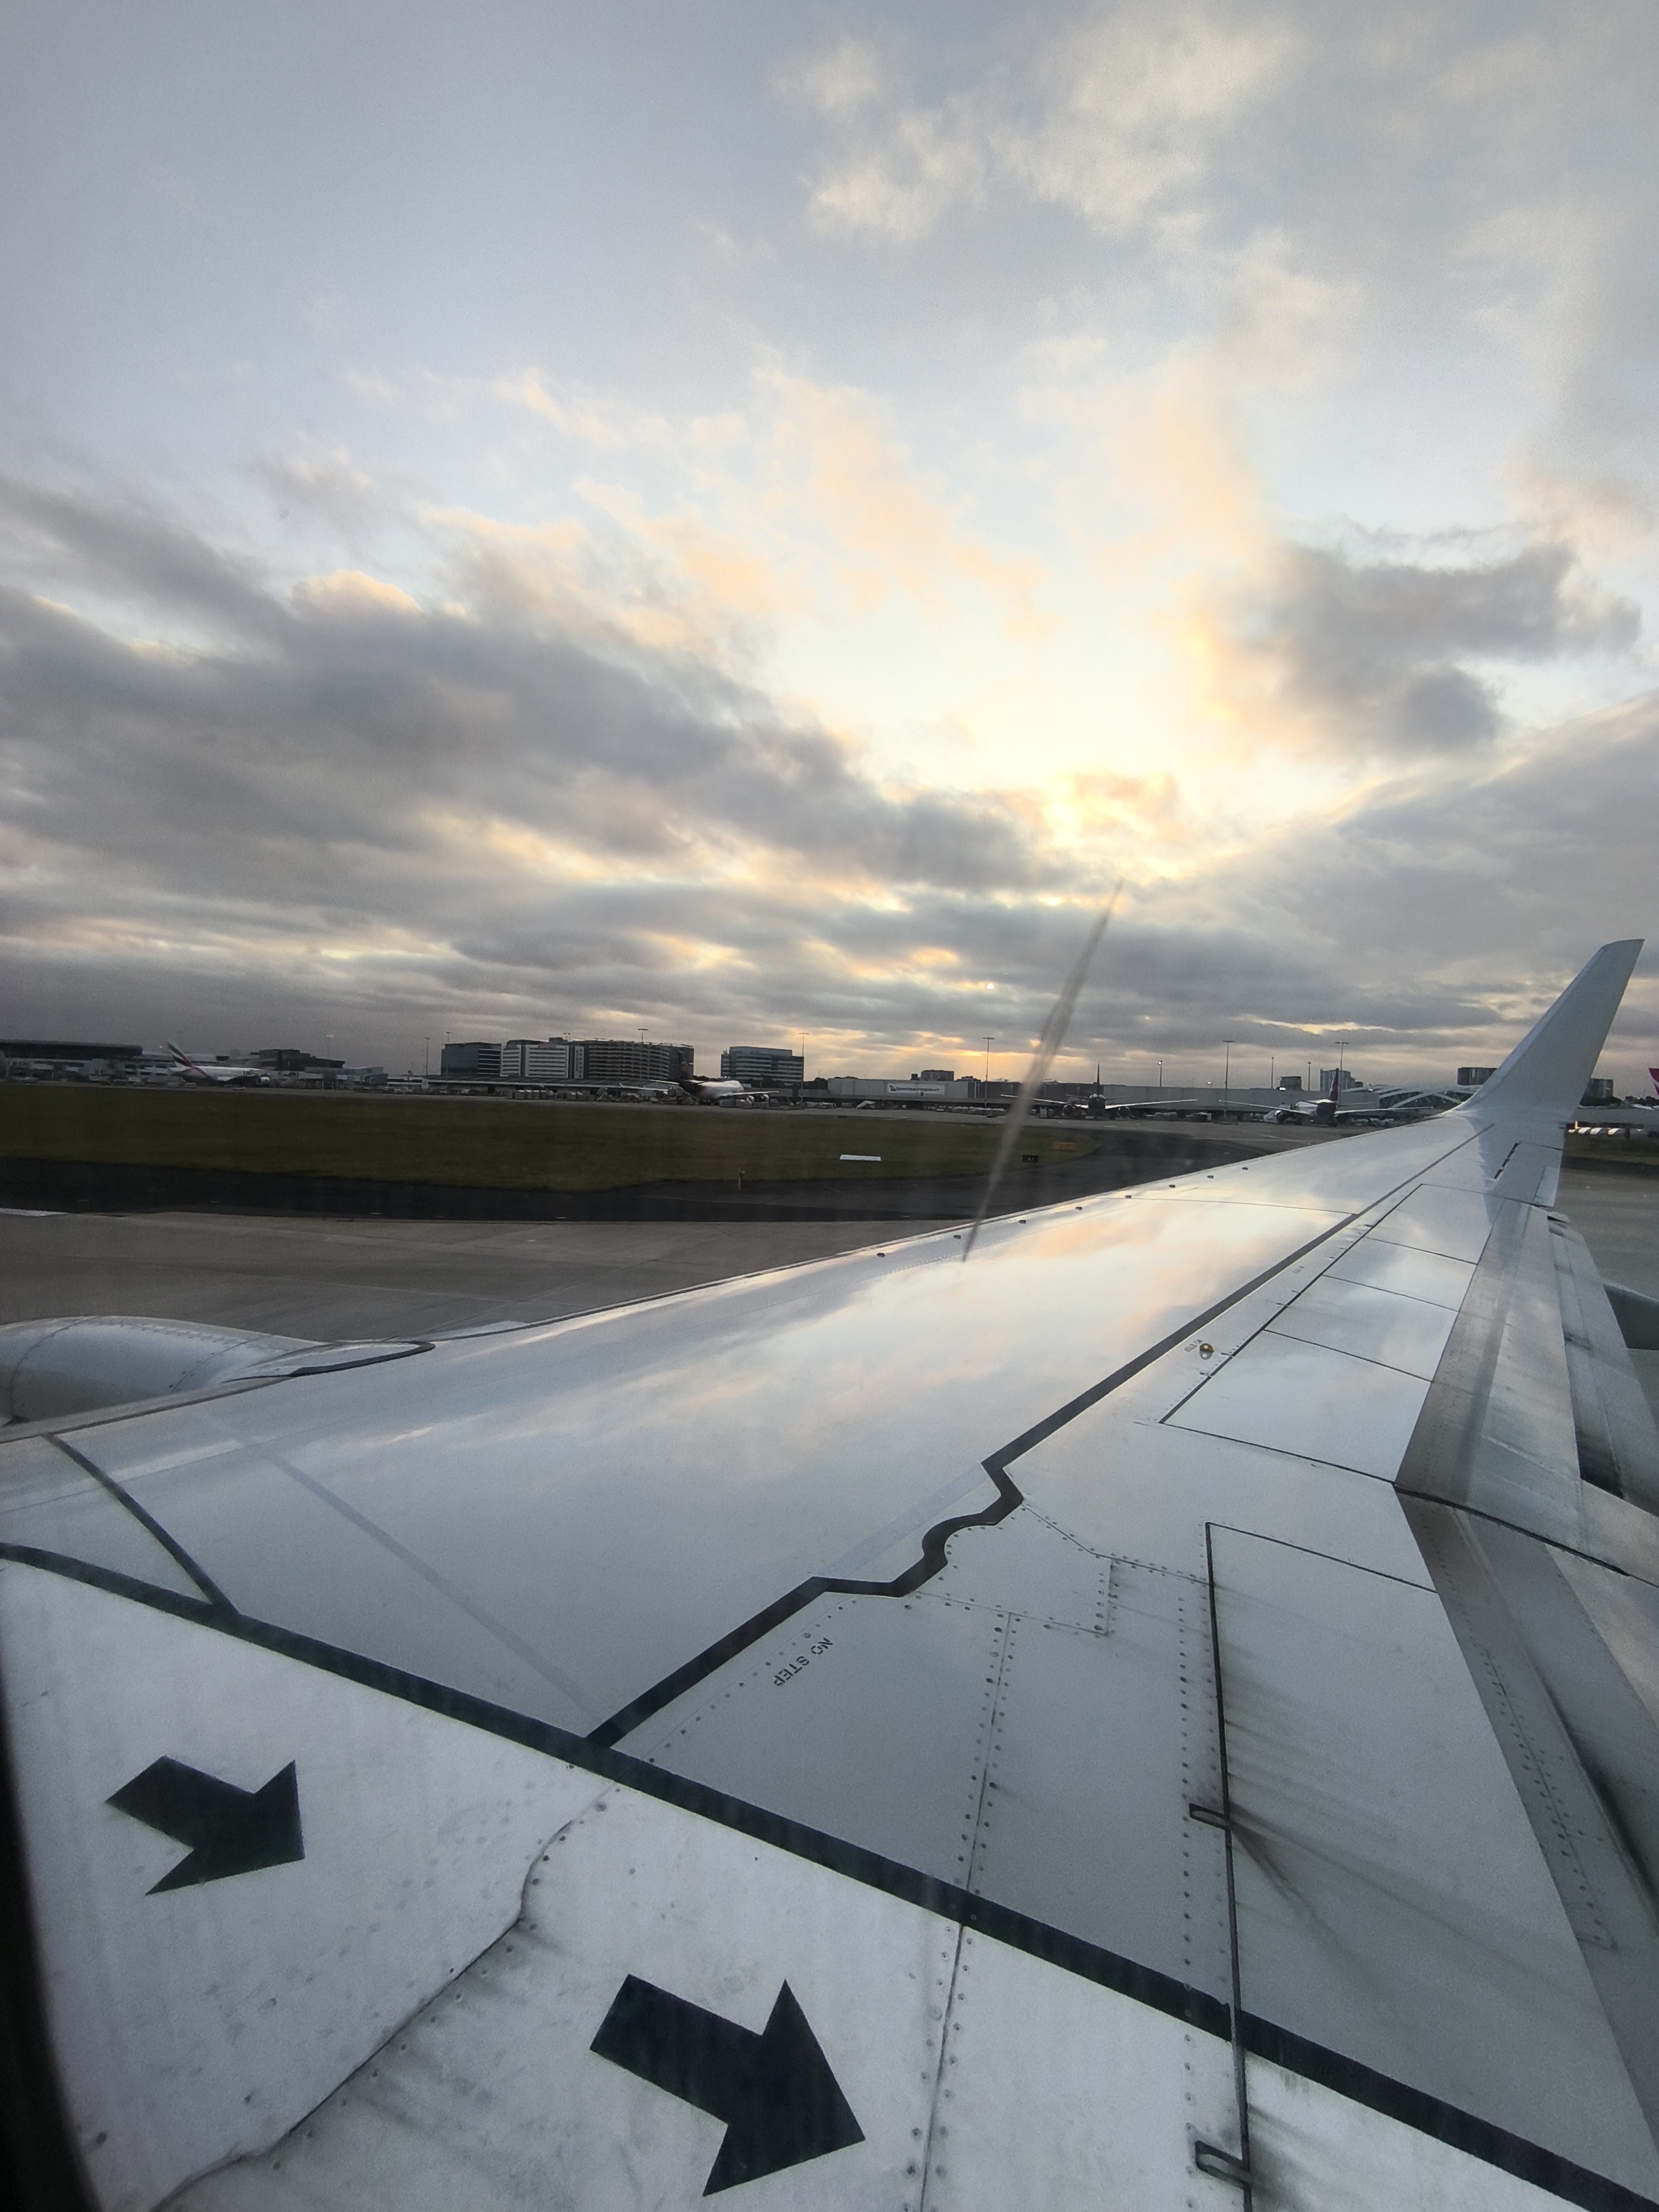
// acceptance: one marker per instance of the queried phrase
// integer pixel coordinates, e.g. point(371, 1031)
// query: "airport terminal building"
point(763, 1067)
point(599, 1061)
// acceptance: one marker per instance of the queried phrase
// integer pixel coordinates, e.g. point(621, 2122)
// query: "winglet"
point(1551, 1066)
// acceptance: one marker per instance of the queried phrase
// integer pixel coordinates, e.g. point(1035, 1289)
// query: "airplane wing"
point(1164, 1715)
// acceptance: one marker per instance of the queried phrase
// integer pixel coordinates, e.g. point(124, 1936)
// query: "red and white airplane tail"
point(220, 1072)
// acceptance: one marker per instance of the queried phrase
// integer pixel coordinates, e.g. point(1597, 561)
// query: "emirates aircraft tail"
point(218, 1072)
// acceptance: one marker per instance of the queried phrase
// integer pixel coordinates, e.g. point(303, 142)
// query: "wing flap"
point(1582, 1748)
point(1618, 1444)
point(1392, 1904)
point(1496, 1431)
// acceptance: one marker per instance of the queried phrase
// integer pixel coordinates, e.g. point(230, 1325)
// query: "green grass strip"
point(494, 1144)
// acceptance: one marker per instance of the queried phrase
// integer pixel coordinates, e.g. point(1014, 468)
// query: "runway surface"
point(354, 1279)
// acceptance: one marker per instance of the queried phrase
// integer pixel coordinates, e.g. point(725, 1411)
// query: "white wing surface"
point(1164, 1715)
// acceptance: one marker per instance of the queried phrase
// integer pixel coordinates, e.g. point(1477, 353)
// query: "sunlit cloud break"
point(744, 532)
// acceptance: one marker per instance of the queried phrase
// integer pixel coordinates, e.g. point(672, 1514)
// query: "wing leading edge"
point(1172, 1703)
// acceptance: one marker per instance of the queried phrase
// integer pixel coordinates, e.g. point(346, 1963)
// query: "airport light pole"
point(1226, 1069)
point(989, 1041)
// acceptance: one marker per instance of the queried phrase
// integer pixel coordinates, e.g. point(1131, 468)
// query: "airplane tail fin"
point(1549, 1068)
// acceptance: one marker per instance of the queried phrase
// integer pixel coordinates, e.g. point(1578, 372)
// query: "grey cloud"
point(1427, 924)
point(1375, 650)
point(352, 723)
point(336, 770)
point(1112, 112)
point(132, 551)
point(1526, 856)
point(293, 832)
point(327, 489)
point(1451, 907)
point(1439, 707)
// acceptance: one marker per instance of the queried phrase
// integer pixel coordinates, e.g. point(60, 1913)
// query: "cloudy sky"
point(746, 520)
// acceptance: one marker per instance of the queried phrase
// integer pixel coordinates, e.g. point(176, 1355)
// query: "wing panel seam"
point(170, 1544)
point(934, 1542)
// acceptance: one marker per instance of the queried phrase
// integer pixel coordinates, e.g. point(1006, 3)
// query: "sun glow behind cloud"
point(1200, 446)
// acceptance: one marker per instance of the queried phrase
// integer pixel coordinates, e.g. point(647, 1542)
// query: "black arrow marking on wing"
point(780, 2100)
point(229, 1830)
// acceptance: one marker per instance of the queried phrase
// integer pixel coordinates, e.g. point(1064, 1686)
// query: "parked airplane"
point(1313, 1109)
point(215, 1071)
point(1165, 1715)
point(717, 1089)
point(1377, 1109)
